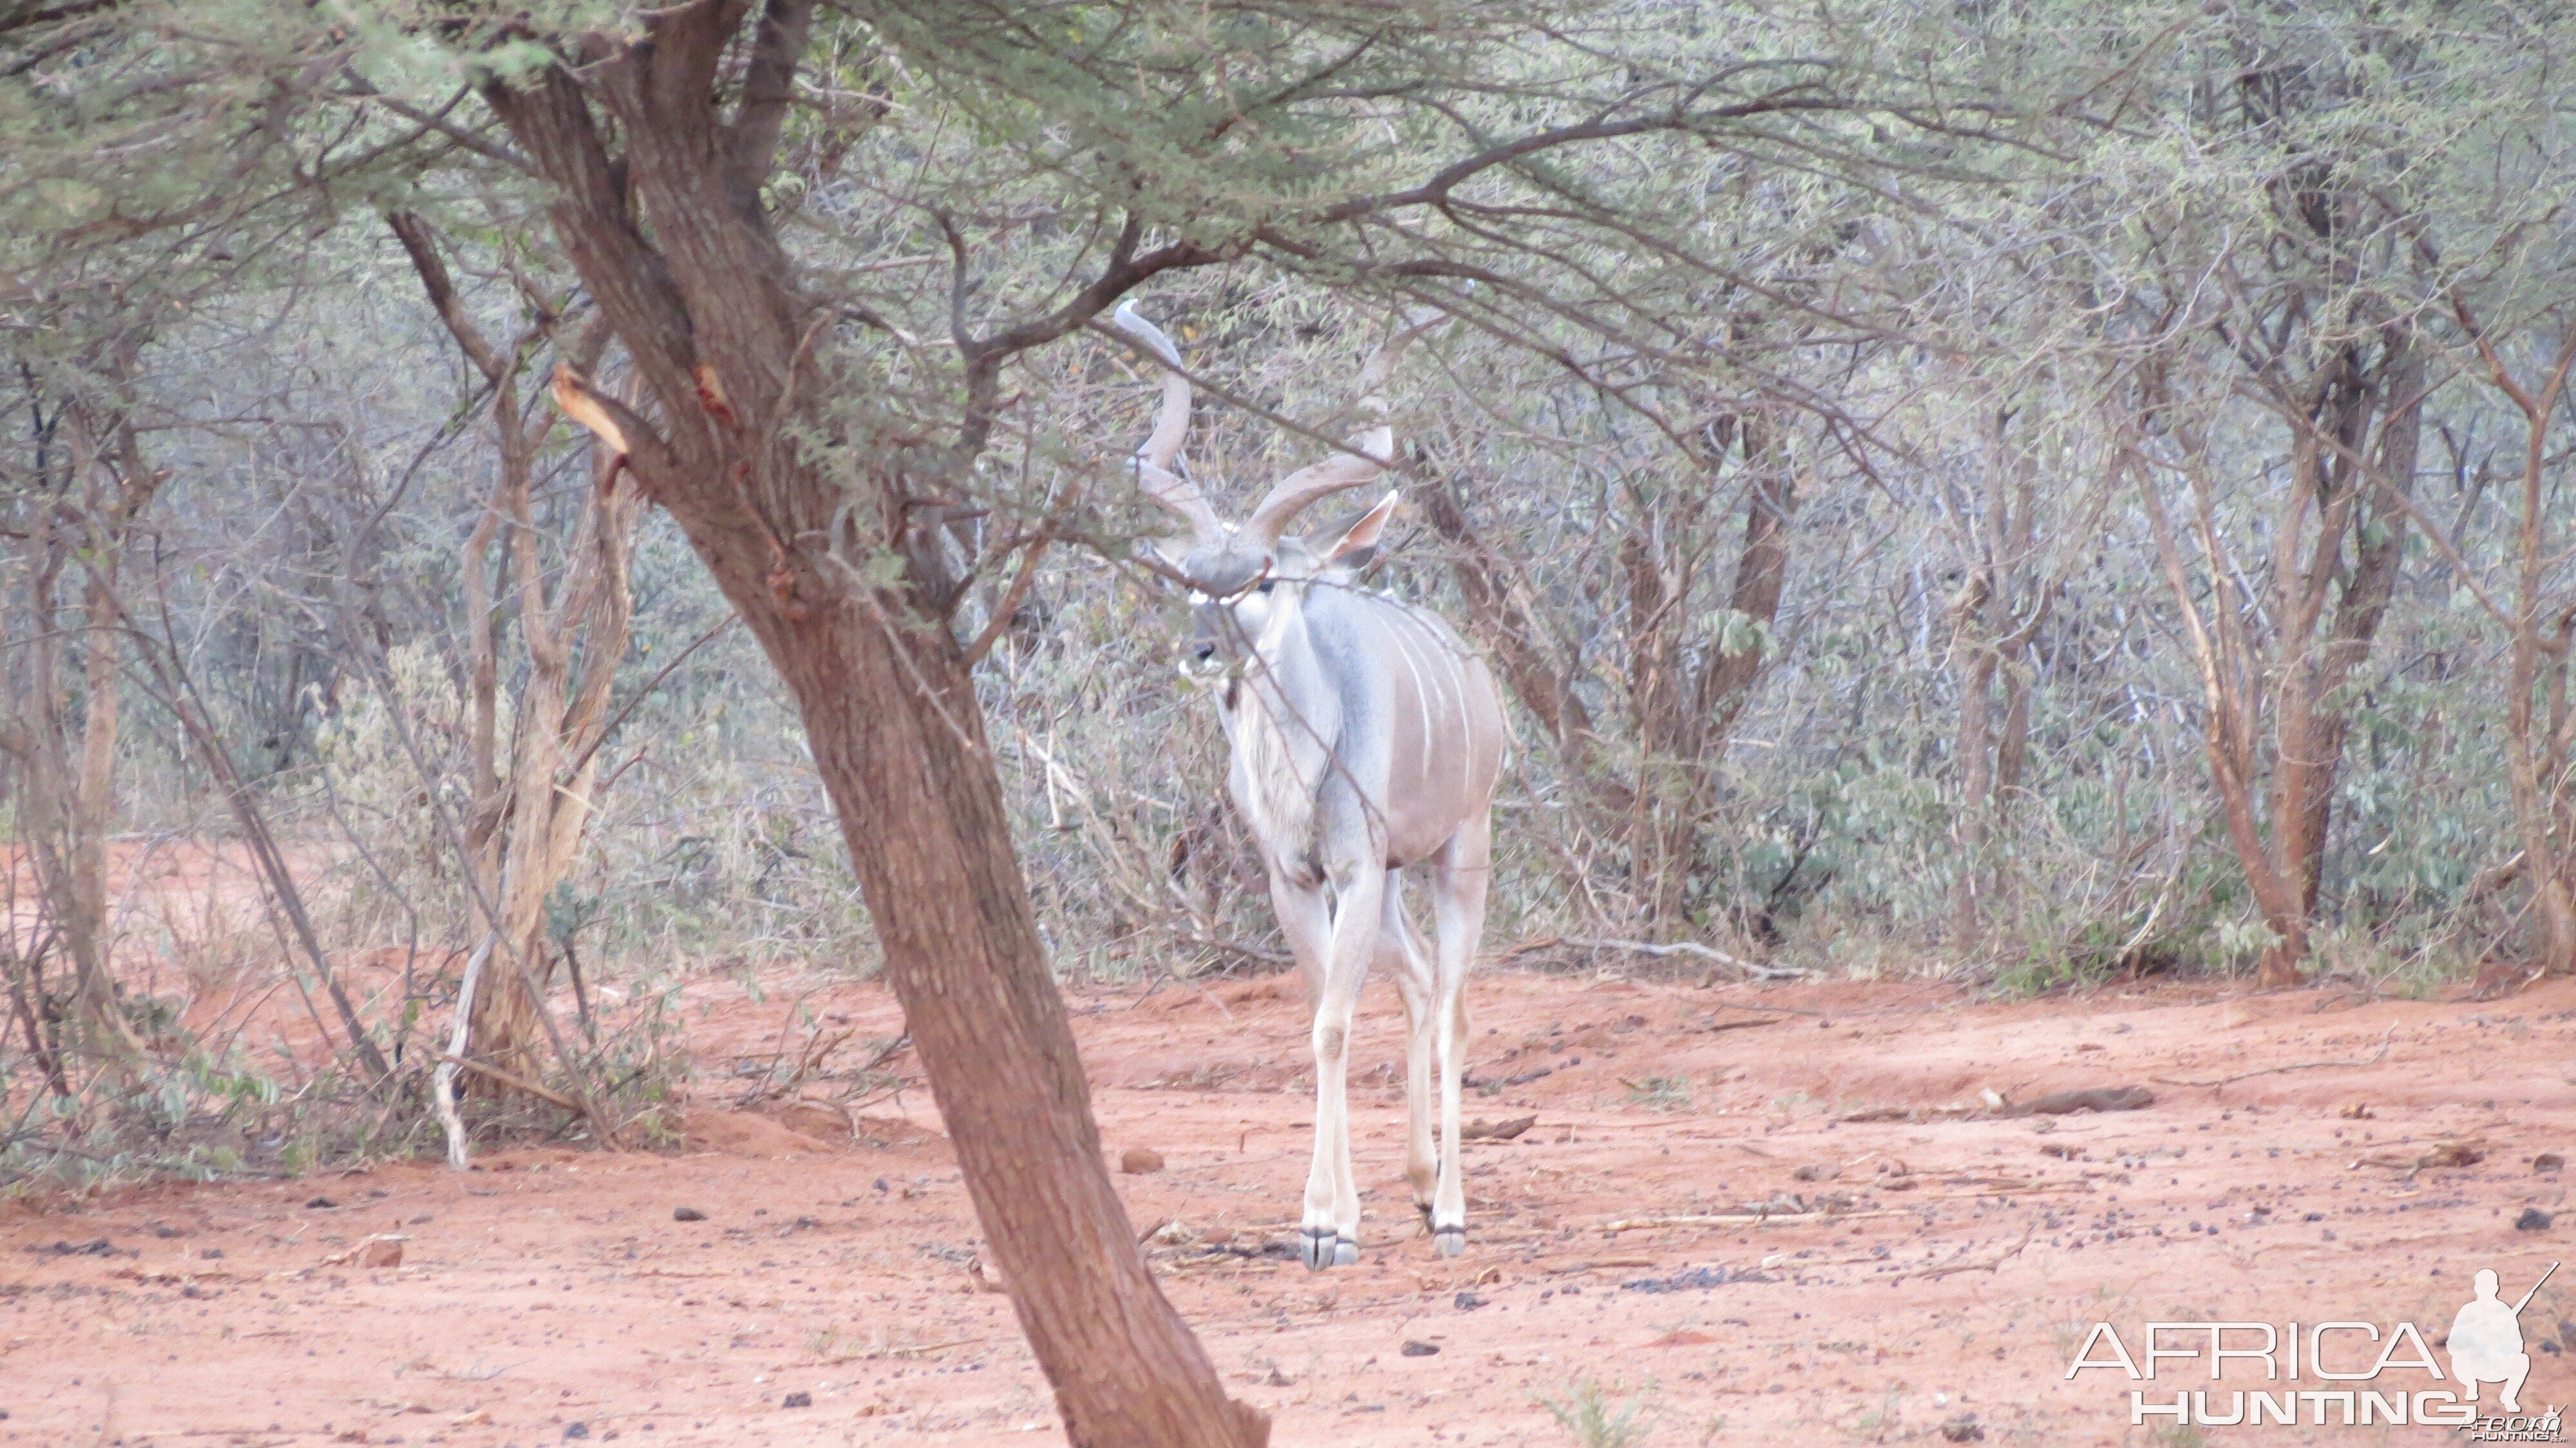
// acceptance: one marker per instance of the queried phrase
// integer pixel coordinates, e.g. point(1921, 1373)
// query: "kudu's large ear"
point(1358, 543)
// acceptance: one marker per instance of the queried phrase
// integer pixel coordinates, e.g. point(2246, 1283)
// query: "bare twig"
point(1985, 1264)
point(1751, 969)
point(2372, 1059)
point(609, 730)
point(480, 1068)
point(1748, 1219)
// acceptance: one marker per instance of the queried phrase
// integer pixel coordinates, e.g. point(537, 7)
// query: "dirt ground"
point(1927, 1259)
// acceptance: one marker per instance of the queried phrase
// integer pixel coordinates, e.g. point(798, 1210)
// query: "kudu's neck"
point(1284, 691)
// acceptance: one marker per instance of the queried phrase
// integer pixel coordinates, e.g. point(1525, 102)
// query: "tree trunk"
point(1506, 629)
point(1662, 826)
point(2536, 744)
point(899, 740)
point(2385, 483)
point(2219, 650)
point(711, 312)
point(1761, 576)
point(71, 798)
point(1995, 543)
point(1680, 717)
point(1975, 757)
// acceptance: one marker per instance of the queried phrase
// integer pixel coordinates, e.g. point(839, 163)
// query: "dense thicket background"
point(2019, 493)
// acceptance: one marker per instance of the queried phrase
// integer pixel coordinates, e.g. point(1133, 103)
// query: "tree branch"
point(423, 248)
point(778, 45)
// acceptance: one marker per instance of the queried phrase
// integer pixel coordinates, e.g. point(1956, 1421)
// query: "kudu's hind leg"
point(1329, 1232)
point(1406, 957)
point(1458, 891)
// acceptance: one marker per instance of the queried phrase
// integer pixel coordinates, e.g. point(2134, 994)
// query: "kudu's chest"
point(1281, 760)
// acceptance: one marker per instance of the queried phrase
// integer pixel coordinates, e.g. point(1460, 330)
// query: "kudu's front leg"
point(1328, 1234)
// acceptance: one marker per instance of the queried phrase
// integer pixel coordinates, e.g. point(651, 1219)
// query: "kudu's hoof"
point(1449, 1241)
point(1322, 1249)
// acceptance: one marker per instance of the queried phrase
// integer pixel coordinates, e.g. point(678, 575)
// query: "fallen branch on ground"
point(1751, 969)
point(2456, 1153)
point(875, 1354)
point(2371, 1060)
point(2014, 1186)
point(1991, 1264)
point(2055, 1103)
point(1747, 1219)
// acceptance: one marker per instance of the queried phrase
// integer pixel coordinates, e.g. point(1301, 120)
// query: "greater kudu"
point(1366, 737)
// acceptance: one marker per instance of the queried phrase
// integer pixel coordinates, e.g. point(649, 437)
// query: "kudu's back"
point(1422, 738)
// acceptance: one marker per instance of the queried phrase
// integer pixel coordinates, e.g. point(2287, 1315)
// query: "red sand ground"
point(1966, 1259)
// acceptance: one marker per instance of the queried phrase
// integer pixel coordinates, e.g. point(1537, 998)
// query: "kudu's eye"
point(1266, 585)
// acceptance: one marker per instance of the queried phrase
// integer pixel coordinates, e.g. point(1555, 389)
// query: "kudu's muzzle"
point(1208, 623)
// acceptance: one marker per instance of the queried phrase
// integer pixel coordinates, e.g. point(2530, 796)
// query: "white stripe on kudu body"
point(1366, 738)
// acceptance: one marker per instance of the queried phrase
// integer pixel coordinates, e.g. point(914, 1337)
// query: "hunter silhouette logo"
point(2364, 1376)
point(2486, 1341)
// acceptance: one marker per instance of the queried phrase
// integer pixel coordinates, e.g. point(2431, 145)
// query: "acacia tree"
point(2540, 719)
point(527, 819)
point(129, 195)
point(1698, 592)
point(2001, 603)
point(828, 465)
point(2508, 328)
point(89, 495)
point(2281, 274)
point(844, 532)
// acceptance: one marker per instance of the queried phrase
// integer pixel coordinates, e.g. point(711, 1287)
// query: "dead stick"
point(1991, 1264)
point(1748, 1219)
point(513, 1082)
point(1678, 947)
point(2374, 1059)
